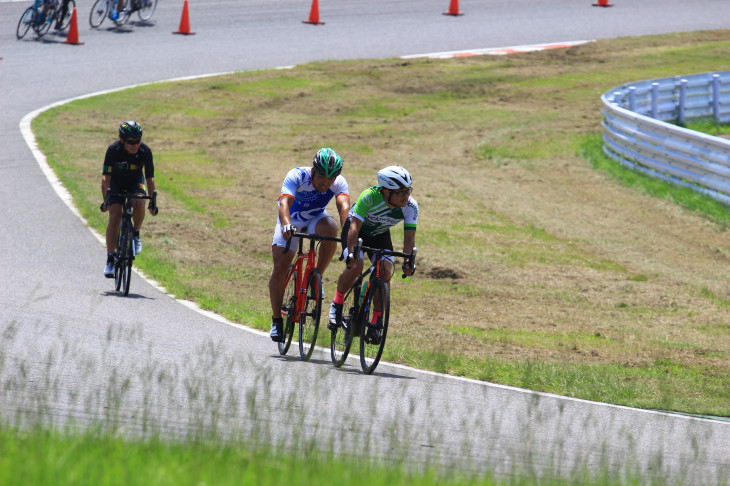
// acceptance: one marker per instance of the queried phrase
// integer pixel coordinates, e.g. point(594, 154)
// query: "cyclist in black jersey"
point(128, 167)
point(62, 15)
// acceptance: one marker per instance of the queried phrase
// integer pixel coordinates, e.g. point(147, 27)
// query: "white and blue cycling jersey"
point(308, 201)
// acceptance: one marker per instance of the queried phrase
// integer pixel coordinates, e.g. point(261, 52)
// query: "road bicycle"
point(124, 253)
point(303, 296)
point(108, 8)
point(362, 301)
point(42, 15)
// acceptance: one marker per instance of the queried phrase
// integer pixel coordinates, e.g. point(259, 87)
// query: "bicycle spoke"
point(341, 338)
point(287, 311)
point(309, 318)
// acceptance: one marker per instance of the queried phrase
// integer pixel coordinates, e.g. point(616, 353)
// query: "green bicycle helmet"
point(130, 130)
point(327, 162)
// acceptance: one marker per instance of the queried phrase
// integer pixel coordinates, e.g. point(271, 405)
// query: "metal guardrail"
point(637, 133)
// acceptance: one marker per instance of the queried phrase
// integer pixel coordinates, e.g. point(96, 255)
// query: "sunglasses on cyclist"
point(403, 192)
point(134, 142)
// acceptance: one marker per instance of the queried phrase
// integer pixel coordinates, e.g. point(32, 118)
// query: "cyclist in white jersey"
point(376, 210)
point(304, 195)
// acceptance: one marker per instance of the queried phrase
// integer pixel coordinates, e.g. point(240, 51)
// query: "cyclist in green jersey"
point(376, 210)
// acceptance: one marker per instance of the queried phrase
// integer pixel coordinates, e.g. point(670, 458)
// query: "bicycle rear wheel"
point(146, 9)
point(43, 24)
point(372, 334)
point(288, 308)
point(341, 339)
point(26, 20)
point(311, 313)
point(98, 13)
point(66, 20)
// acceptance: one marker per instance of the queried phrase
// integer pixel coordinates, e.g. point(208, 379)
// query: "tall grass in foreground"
point(44, 457)
point(214, 418)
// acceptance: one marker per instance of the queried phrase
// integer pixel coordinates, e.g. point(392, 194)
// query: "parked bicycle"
point(303, 296)
point(110, 8)
point(124, 253)
point(361, 301)
point(42, 15)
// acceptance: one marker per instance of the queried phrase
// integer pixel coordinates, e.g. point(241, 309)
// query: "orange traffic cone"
point(602, 3)
point(454, 9)
point(184, 22)
point(73, 31)
point(313, 15)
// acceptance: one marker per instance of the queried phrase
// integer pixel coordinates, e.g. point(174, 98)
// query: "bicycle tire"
point(42, 26)
point(66, 20)
point(288, 308)
point(26, 20)
point(372, 336)
point(147, 9)
point(129, 256)
point(99, 12)
point(341, 338)
point(119, 267)
point(310, 315)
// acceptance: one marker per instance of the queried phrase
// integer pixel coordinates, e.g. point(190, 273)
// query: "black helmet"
point(327, 162)
point(130, 130)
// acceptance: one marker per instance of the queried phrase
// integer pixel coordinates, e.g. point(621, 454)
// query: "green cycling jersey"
point(377, 217)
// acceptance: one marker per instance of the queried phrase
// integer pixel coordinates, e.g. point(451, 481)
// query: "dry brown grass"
point(522, 242)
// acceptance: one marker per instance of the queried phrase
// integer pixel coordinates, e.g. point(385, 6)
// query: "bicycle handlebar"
point(310, 236)
point(131, 195)
point(409, 258)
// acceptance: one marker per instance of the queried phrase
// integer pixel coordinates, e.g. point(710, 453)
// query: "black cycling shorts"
point(117, 187)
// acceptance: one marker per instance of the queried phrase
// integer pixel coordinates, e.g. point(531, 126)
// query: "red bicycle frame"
point(300, 286)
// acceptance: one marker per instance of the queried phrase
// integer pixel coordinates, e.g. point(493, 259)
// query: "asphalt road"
point(73, 350)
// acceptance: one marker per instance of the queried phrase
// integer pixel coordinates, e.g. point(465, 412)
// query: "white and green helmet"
point(327, 162)
point(394, 177)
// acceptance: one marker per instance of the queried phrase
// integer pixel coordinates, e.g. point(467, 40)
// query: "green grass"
point(61, 458)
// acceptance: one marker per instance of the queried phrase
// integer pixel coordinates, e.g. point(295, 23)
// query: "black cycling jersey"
point(126, 168)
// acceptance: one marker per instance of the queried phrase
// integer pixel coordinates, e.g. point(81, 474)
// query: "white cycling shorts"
point(301, 226)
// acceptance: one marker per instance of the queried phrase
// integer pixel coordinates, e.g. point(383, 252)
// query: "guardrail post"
point(617, 98)
point(716, 97)
point(654, 99)
point(632, 98)
point(682, 101)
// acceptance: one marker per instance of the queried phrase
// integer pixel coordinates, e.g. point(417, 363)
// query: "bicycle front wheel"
point(288, 309)
point(374, 326)
point(26, 20)
point(146, 9)
point(120, 267)
point(309, 317)
point(98, 13)
point(341, 339)
point(66, 20)
point(128, 257)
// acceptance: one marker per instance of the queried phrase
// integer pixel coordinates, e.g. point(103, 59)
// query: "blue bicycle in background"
point(119, 11)
point(42, 15)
